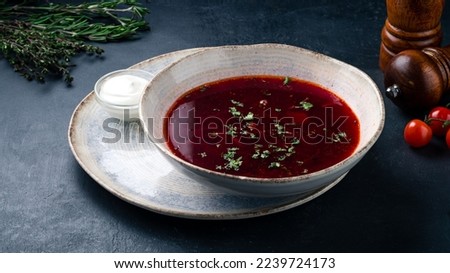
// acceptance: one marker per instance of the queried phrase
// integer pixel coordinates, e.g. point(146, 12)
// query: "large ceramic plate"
point(121, 159)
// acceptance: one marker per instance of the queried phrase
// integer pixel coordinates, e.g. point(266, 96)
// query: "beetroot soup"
point(261, 126)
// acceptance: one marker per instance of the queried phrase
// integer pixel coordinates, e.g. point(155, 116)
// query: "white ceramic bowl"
point(346, 81)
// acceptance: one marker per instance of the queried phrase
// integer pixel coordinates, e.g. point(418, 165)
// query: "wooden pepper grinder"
point(417, 79)
point(410, 24)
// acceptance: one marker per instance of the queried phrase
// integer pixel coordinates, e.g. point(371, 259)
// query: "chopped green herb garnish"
point(234, 112)
point(291, 150)
point(339, 137)
point(249, 116)
point(202, 154)
point(232, 162)
point(231, 130)
point(256, 154)
point(280, 128)
point(277, 110)
point(265, 154)
point(295, 141)
point(279, 149)
point(274, 165)
point(231, 152)
point(305, 105)
point(240, 104)
point(286, 81)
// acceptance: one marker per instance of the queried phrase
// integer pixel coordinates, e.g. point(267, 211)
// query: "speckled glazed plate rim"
point(85, 160)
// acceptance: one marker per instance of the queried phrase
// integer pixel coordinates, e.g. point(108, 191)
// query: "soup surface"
point(261, 126)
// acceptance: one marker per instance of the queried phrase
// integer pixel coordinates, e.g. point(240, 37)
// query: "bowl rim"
point(349, 160)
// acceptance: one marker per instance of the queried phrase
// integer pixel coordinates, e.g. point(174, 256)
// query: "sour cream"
point(124, 90)
point(119, 92)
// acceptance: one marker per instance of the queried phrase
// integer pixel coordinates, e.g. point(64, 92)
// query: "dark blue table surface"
point(395, 200)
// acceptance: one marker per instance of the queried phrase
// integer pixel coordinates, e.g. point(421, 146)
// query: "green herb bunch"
point(39, 40)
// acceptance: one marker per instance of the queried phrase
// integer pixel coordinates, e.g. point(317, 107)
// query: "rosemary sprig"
point(40, 40)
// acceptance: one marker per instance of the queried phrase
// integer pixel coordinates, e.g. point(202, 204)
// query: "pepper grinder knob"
point(417, 79)
point(410, 24)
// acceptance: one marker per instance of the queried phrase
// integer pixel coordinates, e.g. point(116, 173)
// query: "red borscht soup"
point(261, 126)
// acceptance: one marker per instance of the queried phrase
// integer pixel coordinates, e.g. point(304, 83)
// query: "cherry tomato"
point(437, 118)
point(447, 138)
point(417, 133)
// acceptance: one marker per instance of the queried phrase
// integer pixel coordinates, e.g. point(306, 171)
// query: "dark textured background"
point(396, 200)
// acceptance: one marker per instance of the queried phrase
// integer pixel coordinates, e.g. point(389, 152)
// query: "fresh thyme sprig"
point(99, 21)
point(38, 40)
point(36, 54)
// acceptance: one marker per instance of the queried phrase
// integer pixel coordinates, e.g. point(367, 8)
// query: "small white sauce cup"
point(125, 111)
